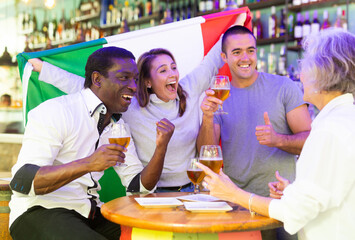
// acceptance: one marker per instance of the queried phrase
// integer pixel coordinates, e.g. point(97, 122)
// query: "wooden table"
point(127, 212)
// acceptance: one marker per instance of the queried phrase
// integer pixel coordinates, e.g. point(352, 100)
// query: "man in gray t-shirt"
point(267, 121)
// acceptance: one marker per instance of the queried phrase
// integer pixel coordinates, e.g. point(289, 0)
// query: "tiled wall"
point(8, 155)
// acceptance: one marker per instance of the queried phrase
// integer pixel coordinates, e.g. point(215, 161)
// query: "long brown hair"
point(144, 65)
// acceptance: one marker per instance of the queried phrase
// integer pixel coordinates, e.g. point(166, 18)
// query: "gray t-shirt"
point(249, 164)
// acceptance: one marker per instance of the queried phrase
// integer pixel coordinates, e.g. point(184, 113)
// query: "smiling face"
point(117, 89)
point(240, 55)
point(164, 77)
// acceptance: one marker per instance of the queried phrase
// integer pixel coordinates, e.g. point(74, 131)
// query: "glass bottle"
point(273, 23)
point(326, 23)
point(306, 26)
point(298, 29)
point(315, 26)
point(271, 60)
point(259, 26)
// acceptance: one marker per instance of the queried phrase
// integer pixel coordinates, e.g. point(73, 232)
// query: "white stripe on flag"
point(184, 39)
point(25, 79)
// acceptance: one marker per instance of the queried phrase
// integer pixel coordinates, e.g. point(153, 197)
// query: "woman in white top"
point(160, 94)
point(320, 203)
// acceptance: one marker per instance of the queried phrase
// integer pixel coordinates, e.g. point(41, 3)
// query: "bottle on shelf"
point(259, 26)
point(296, 2)
point(340, 21)
point(273, 23)
point(305, 1)
point(261, 62)
point(282, 28)
point(337, 22)
point(298, 29)
point(315, 26)
point(222, 4)
point(290, 25)
point(326, 23)
point(271, 60)
point(281, 70)
point(344, 21)
point(209, 5)
point(148, 7)
point(189, 9)
point(306, 26)
point(202, 6)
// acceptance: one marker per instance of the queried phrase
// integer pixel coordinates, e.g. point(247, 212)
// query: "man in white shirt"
point(65, 151)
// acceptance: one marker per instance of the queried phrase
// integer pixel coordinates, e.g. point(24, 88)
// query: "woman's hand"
point(219, 185)
point(277, 188)
point(210, 103)
point(36, 63)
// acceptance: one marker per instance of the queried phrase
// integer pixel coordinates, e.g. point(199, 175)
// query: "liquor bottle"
point(306, 27)
point(222, 4)
point(34, 20)
point(209, 5)
point(148, 7)
point(298, 29)
point(177, 12)
point(189, 9)
point(282, 61)
point(296, 2)
point(273, 23)
point(259, 26)
point(261, 63)
point(344, 22)
point(253, 23)
point(326, 23)
point(271, 60)
point(315, 26)
point(337, 22)
point(305, 1)
point(45, 28)
point(290, 25)
point(282, 29)
point(202, 6)
point(216, 4)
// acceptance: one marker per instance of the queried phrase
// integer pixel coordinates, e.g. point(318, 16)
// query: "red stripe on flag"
point(216, 24)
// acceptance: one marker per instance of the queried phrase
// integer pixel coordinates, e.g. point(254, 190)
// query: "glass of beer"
point(211, 156)
point(195, 174)
point(221, 87)
point(120, 135)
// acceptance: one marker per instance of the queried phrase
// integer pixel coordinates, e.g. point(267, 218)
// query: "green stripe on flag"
point(71, 58)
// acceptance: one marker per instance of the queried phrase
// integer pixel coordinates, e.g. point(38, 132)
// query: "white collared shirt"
point(320, 203)
point(60, 131)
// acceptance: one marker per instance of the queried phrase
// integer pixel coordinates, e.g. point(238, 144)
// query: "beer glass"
point(221, 87)
point(195, 174)
point(120, 135)
point(211, 156)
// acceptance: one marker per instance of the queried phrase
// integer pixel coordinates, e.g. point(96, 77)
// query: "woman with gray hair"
point(319, 204)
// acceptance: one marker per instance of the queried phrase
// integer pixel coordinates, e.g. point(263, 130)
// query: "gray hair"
point(329, 60)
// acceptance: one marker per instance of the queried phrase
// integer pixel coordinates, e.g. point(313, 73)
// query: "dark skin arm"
point(152, 172)
point(50, 178)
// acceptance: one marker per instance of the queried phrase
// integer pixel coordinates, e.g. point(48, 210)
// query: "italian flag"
point(188, 40)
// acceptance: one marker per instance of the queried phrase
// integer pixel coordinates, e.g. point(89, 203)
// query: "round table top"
point(126, 211)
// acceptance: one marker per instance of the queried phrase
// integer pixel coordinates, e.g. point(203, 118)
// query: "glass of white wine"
point(221, 87)
point(120, 134)
point(211, 156)
point(195, 174)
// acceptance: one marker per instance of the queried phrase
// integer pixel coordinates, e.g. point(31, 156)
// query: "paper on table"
point(207, 206)
point(198, 198)
point(156, 202)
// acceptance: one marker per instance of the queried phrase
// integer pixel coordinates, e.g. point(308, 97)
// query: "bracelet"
point(250, 200)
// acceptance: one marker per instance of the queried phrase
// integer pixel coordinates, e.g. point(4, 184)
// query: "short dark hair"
point(101, 61)
point(237, 29)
